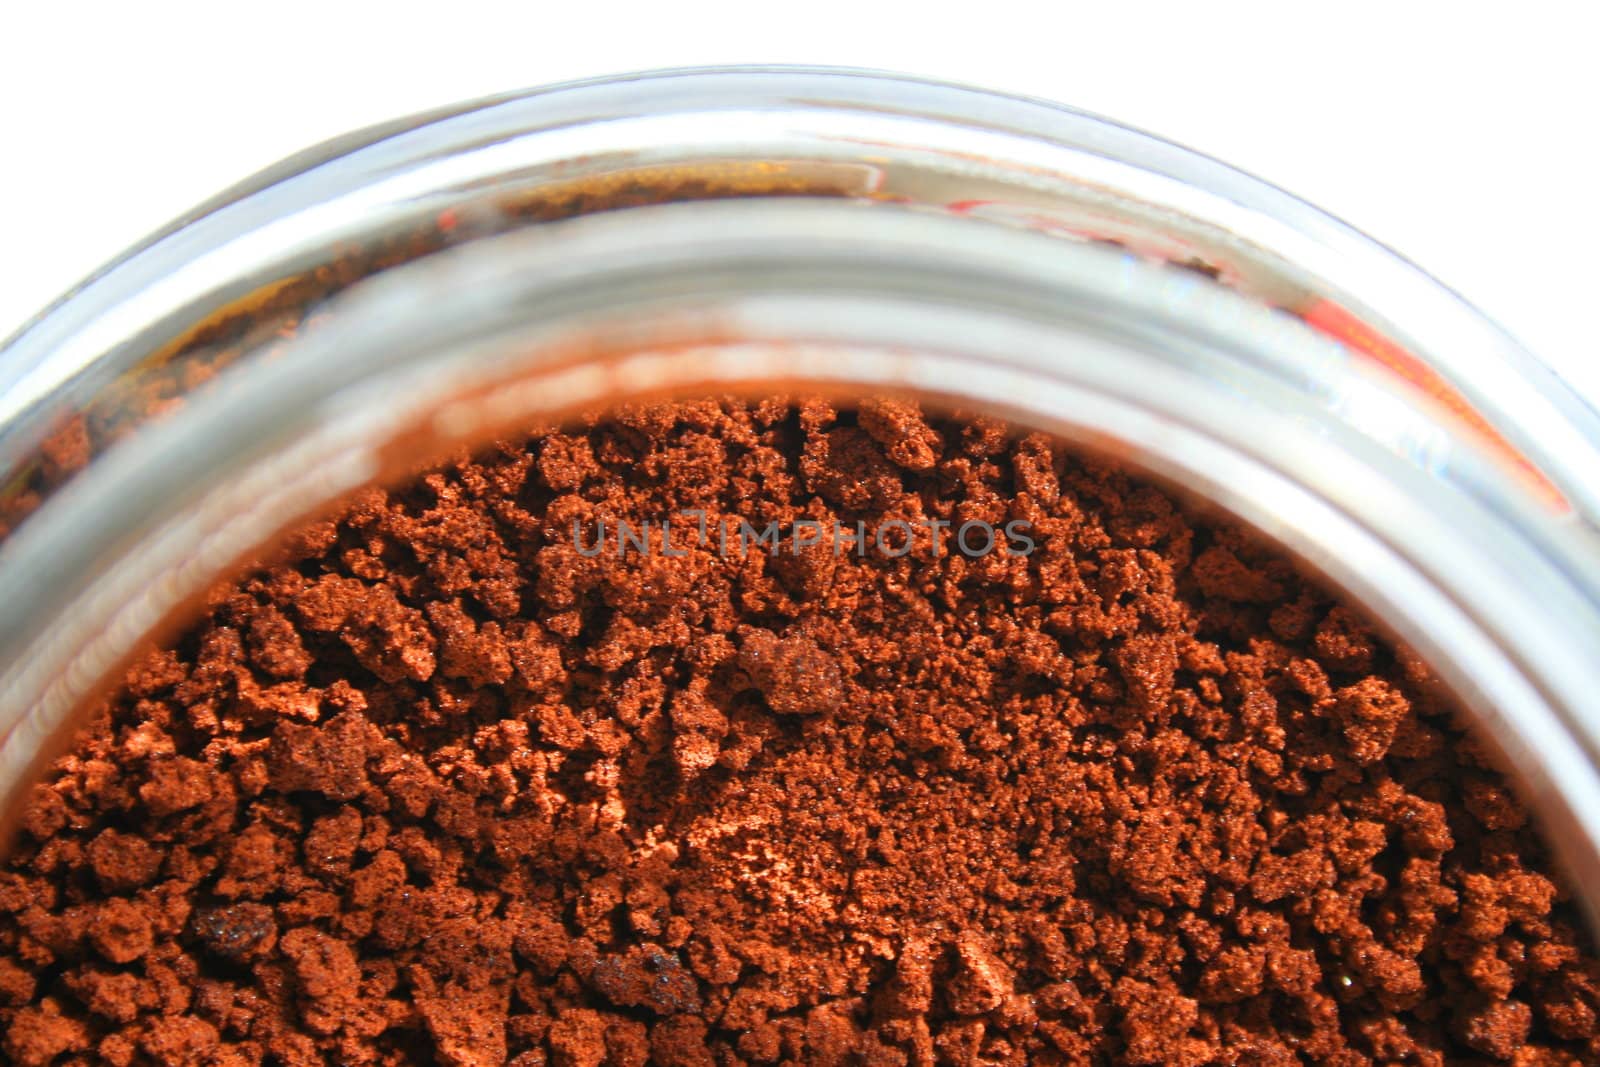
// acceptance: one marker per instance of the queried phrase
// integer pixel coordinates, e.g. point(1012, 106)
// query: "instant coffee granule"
point(482, 773)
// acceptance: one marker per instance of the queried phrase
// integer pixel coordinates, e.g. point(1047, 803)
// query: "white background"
point(1463, 135)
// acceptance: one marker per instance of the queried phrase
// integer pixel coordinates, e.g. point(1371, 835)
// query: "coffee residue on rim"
point(441, 788)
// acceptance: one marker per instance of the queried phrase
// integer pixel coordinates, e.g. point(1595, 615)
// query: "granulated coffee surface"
point(470, 780)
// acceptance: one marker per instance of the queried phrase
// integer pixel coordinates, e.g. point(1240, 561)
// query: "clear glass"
point(856, 232)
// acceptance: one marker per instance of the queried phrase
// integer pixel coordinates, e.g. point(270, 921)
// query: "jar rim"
point(1367, 281)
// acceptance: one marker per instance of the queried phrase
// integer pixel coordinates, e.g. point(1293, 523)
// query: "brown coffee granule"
point(443, 788)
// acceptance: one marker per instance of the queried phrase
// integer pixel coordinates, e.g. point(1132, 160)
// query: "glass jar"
point(416, 287)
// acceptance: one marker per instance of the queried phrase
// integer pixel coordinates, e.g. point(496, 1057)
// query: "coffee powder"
point(445, 787)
